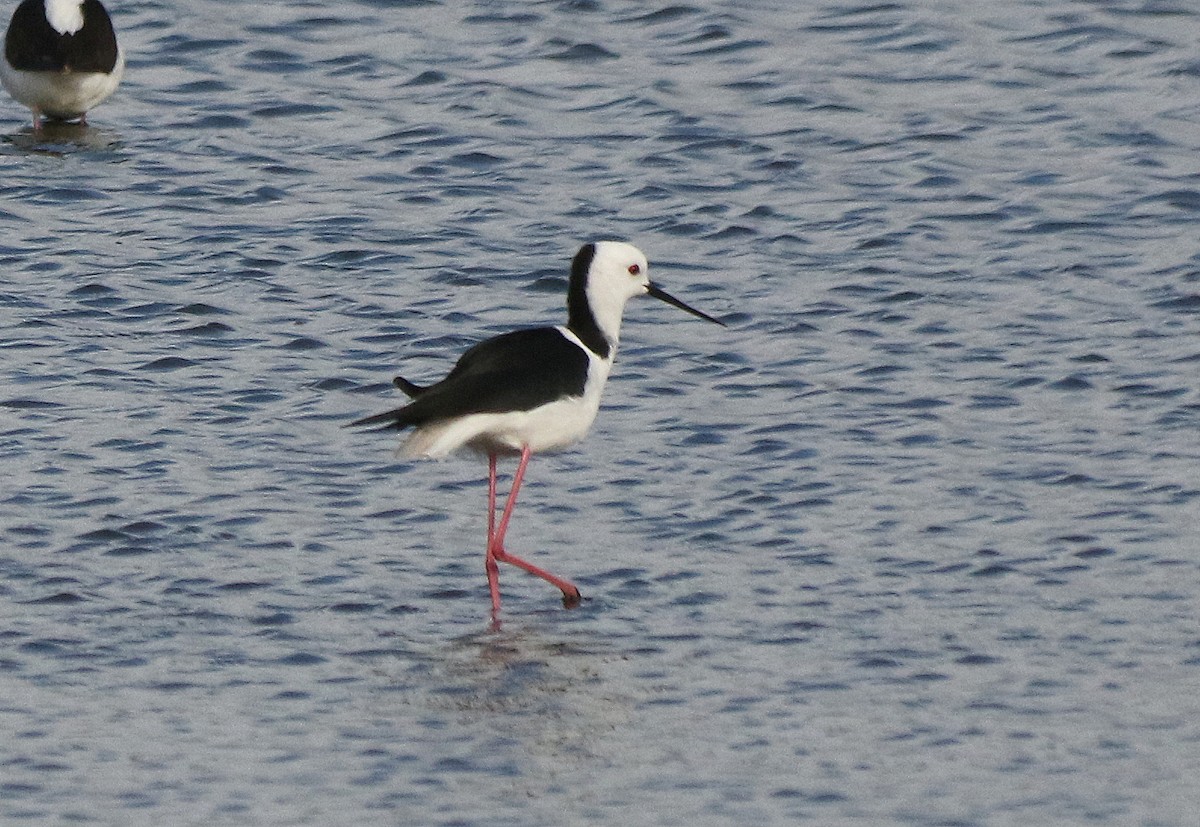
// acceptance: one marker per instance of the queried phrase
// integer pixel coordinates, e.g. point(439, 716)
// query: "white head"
point(65, 16)
point(617, 273)
point(604, 276)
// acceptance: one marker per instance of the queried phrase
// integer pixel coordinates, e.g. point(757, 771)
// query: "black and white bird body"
point(537, 388)
point(61, 58)
point(531, 390)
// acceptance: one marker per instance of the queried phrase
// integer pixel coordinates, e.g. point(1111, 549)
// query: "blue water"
point(912, 542)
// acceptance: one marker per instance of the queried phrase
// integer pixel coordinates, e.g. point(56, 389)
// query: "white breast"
point(62, 95)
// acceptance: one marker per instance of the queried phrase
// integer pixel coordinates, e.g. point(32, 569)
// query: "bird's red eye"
point(634, 269)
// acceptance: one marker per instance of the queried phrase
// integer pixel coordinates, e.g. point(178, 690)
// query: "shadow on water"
point(506, 721)
point(61, 138)
point(516, 665)
point(544, 691)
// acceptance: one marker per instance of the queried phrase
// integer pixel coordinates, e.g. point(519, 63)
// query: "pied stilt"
point(61, 58)
point(532, 390)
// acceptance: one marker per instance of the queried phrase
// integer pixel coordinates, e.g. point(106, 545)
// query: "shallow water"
point(912, 542)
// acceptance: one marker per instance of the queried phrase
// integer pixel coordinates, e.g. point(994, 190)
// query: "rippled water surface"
point(914, 541)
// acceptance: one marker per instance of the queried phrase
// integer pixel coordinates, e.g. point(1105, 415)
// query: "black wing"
point(515, 371)
point(32, 44)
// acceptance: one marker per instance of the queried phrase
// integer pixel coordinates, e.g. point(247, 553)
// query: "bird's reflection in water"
point(539, 695)
point(63, 138)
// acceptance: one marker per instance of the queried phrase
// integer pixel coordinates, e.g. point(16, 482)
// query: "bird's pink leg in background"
point(571, 596)
point(493, 572)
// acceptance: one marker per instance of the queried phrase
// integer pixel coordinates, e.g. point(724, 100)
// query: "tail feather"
point(393, 419)
point(408, 387)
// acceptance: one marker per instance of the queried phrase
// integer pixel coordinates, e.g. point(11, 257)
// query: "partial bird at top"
point(61, 58)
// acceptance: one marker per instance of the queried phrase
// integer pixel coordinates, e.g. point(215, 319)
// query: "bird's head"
point(618, 272)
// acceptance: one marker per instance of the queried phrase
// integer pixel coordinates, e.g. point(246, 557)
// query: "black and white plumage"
point(61, 58)
point(531, 390)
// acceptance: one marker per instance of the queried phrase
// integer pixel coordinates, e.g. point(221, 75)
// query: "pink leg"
point(493, 571)
point(498, 536)
point(491, 498)
point(571, 596)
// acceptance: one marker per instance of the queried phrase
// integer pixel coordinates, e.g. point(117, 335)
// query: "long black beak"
point(663, 295)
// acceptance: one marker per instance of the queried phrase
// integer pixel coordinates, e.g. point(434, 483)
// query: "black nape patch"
point(580, 319)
